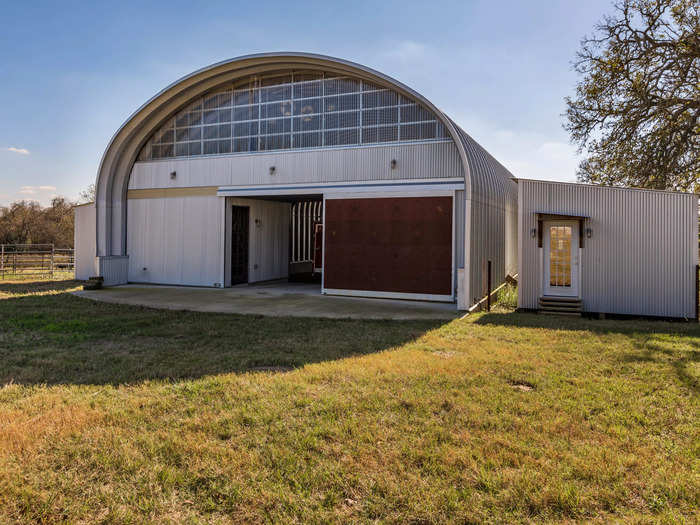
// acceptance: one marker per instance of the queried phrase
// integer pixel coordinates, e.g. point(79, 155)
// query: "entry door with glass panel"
point(561, 258)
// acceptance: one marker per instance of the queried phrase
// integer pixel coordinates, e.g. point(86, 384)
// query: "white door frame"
point(575, 257)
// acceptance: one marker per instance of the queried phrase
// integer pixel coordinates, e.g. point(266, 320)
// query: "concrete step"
point(563, 308)
point(572, 306)
point(550, 299)
point(560, 305)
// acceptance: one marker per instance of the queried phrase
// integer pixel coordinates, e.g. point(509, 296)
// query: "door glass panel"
point(560, 256)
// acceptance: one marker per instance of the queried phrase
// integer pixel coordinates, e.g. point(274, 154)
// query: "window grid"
point(265, 116)
point(560, 256)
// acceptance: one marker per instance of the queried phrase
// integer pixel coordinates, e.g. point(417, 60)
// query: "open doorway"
point(240, 243)
point(274, 238)
point(306, 240)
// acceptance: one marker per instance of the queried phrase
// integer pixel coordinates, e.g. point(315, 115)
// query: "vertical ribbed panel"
point(641, 256)
point(413, 161)
point(178, 240)
point(175, 240)
point(113, 268)
point(492, 208)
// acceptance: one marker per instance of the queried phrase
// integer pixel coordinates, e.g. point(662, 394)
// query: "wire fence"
point(45, 261)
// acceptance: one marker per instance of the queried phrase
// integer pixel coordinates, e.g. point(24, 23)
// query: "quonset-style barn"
point(281, 165)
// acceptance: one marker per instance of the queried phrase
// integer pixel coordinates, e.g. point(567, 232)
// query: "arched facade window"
point(294, 110)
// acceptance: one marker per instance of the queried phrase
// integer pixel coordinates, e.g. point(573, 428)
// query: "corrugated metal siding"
point(492, 209)
point(114, 269)
point(414, 161)
point(268, 254)
point(84, 241)
point(175, 240)
point(642, 254)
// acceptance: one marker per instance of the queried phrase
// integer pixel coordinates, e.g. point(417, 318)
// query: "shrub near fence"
point(19, 261)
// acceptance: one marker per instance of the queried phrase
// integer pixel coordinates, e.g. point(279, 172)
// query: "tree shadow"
point(681, 361)
point(648, 337)
point(59, 338)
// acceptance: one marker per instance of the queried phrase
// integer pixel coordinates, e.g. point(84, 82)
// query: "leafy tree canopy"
point(636, 112)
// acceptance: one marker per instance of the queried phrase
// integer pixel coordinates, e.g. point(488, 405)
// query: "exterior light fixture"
point(533, 232)
point(258, 223)
point(393, 164)
point(273, 169)
point(589, 233)
point(173, 174)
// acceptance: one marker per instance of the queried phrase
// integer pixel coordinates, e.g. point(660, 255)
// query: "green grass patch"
point(507, 297)
point(115, 413)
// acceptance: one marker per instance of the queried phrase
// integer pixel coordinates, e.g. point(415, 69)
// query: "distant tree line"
point(27, 222)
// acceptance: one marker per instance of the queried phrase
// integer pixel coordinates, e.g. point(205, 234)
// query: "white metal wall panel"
point(640, 259)
point(268, 254)
point(84, 241)
point(413, 161)
point(113, 268)
point(175, 240)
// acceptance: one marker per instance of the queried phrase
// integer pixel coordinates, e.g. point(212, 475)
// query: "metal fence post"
point(24, 260)
point(697, 292)
point(488, 287)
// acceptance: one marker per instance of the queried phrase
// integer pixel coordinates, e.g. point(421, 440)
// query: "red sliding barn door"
point(401, 244)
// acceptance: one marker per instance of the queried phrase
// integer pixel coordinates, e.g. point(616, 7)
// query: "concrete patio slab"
point(277, 299)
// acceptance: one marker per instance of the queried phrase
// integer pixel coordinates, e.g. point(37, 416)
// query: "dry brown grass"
point(402, 422)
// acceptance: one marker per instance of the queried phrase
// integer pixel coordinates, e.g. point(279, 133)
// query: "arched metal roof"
point(483, 174)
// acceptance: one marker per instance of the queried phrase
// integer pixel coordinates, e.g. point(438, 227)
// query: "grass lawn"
point(122, 414)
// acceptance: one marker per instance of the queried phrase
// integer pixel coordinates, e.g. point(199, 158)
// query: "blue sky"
point(72, 72)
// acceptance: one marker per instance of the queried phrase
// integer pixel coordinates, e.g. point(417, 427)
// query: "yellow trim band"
point(160, 193)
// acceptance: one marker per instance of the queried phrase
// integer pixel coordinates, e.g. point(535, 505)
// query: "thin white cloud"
point(549, 160)
point(20, 151)
point(527, 154)
point(407, 51)
point(33, 190)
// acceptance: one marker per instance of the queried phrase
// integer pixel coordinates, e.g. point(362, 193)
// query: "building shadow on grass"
point(31, 286)
point(49, 336)
point(623, 326)
point(653, 341)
